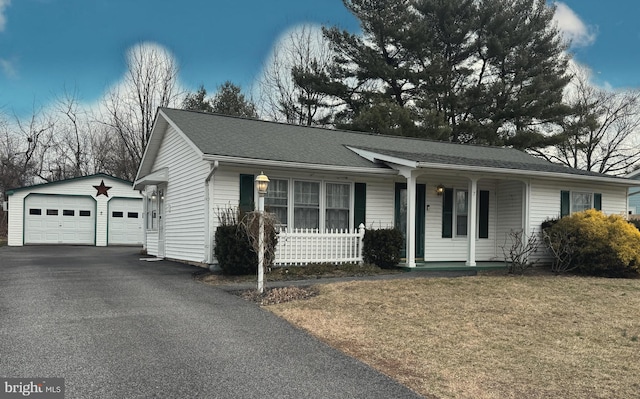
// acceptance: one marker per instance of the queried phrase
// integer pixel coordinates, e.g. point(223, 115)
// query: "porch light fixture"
point(440, 189)
point(154, 195)
point(262, 184)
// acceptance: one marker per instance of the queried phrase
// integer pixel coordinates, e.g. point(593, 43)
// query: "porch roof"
point(477, 162)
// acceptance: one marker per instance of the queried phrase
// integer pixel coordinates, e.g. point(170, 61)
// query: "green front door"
point(401, 216)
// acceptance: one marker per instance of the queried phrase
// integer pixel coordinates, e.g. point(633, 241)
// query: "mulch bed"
point(273, 296)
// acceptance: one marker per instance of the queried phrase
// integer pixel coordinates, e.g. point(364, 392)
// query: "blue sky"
point(49, 46)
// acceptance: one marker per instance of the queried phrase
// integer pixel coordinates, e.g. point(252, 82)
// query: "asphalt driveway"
point(117, 327)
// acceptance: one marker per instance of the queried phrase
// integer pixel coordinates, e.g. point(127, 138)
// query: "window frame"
point(449, 215)
point(322, 201)
point(269, 207)
point(338, 209)
point(567, 201)
point(572, 204)
point(456, 234)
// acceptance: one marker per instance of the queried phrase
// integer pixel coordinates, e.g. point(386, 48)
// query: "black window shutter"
point(246, 193)
point(565, 203)
point(483, 215)
point(360, 204)
point(597, 201)
point(447, 213)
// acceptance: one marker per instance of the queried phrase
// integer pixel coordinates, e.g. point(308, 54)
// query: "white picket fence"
point(304, 246)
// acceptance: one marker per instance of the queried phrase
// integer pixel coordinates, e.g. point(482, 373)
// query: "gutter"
point(298, 165)
point(215, 166)
point(529, 173)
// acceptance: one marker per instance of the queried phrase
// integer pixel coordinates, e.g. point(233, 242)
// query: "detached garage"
point(91, 210)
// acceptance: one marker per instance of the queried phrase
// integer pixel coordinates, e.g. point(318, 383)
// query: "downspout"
point(208, 214)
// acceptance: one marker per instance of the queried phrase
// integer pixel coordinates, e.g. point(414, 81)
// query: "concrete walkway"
point(117, 327)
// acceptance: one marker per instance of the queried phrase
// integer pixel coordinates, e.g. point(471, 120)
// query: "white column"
point(472, 221)
point(411, 221)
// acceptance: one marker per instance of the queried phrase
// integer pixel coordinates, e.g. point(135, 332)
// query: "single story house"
point(453, 202)
point(95, 210)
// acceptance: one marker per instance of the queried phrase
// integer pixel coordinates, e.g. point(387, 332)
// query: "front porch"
point(421, 265)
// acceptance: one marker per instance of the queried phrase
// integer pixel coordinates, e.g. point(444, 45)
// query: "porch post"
point(471, 223)
point(411, 221)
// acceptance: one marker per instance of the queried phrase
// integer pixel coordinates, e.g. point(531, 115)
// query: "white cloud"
point(3, 19)
point(8, 68)
point(572, 27)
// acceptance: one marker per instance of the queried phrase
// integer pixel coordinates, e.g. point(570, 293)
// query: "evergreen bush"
point(233, 251)
point(236, 242)
point(601, 245)
point(383, 247)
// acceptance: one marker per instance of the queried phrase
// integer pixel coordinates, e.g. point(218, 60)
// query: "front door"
point(161, 193)
point(401, 216)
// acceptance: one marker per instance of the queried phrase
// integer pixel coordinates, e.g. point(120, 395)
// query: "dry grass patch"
point(486, 337)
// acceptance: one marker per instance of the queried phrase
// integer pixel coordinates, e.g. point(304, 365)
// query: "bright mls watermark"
point(40, 388)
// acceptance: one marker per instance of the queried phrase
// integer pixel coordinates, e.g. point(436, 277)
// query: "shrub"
point(236, 245)
point(596, 244)
point(518, 250)
point(635, 222)
point(383, 247)
point(234, 252)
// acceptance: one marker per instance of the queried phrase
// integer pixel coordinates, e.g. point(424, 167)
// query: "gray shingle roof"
point(223, 135)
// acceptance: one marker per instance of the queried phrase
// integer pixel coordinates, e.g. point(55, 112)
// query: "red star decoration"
point(102, 189)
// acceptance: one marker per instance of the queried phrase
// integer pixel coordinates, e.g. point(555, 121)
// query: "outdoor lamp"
point(262, 183)
point(439, 189)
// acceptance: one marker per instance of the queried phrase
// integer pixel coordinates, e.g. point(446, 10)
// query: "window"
point(337, 206)
point(576, 201)
point(117, 214)
point(132, 215)
point(85, 213)
point(52, 212)
point(276, 200)
point(455, 213)
point(462, 211)
point(35, 211)
point(317, 205)
point(306, 203)
point(580, 201)
point(68, 212)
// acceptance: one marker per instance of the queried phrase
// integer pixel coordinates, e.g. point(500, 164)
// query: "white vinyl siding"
point(380, 204)
point(545, 199)
point(510, 209)
point(184, 203)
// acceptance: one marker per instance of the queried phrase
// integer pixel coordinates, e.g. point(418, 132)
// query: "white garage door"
point(125, 221)
point(59, 219)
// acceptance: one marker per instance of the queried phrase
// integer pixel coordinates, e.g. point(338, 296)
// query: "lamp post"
point(262, 184)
